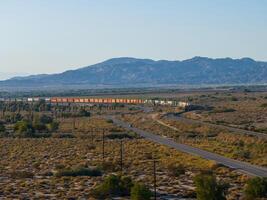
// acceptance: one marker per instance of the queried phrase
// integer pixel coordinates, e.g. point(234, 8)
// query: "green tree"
point(113, 186)
point(256, 188)
point(2, 127)
point(45, 119)
point(84, 113)
point(24, 129)
point(53, 126)
point(207, 188)
point(140, 192)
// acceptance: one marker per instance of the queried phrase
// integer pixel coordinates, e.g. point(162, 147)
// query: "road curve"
point(234, 164)
point(232, 129)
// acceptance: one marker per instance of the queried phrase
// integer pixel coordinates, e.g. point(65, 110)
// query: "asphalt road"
point(234, 164)
point(236, 130)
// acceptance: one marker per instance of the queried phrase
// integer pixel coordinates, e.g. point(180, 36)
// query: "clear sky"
point(47, 36)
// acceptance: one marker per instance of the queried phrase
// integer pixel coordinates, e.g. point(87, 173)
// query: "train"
point(83, 100)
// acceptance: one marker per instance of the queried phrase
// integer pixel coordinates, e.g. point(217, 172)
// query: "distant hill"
point(123, 72)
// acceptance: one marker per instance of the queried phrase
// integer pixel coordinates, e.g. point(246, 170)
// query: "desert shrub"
point(113, 186)
point(40, 127)
point(53, 126)
point(264, 105)
point(78, 172)
point(234, 99)
point(13, 118)
point(256, 188)
point(140, 192)
point(190, 135)
point(108, 166)
point(148, 155)
point(175, 169)
point(45, 123)
point(239, 143)
point(228, 110)
point(207, 187)
point(63, 135)
point(21, 174)
point(2, 127)
point(45, 119)
point(84, 113)
point(264, 130)
point(115, 129)
point(245, 154)
point(110, 121)
point(118, 136)
point(223, 110)
point(24, 129)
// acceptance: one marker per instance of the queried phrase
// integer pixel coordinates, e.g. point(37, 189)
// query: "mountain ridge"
point(129, 71)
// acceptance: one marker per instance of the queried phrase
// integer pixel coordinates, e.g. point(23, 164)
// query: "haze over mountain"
point(127, 72)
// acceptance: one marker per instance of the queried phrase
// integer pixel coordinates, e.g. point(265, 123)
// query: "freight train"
point(80, 100)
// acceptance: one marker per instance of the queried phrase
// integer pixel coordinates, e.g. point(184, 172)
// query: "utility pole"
point(73, 124)
point(103, 144)
point(121, 153)
point(92, 136)
point(155, 179)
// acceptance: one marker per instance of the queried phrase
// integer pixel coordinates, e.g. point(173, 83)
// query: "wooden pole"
point(103, 145)
point(155, 179)
point(121, 153)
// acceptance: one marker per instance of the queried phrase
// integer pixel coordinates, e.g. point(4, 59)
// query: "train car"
point(70, 100)
point(36, 99)
point(30, 99)
point(47, 100)
point(64, 100)
point(53, 100)
point(76, 100)
point(59, 100)
point(140, 101)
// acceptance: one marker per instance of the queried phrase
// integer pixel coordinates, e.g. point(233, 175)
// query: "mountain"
point(124, 72)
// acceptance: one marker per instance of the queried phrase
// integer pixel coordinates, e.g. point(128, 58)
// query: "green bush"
point(240, 153)
point(2, 127)
point(256, 188)
point(110, 121)
point(39, 127)
point(140, 192)
point(78, 172)
point(264, 105)
point(84, 113)
point(24, 129)
point(21, 174)
point(113, 186)
point(53, 126)
point(234, 99)
point(45, 119)
point(63, 135)
point(207, 187)
point(113, 136)
point(175, 169)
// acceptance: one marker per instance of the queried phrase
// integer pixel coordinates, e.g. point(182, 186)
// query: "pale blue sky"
point(46, 36)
